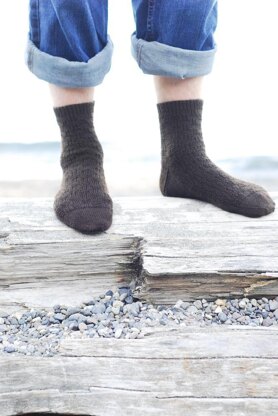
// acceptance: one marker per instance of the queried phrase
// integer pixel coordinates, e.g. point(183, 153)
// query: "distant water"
point(34, 170)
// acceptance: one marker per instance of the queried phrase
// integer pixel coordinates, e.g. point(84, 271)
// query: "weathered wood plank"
point(104, 402)
point(182, 343)
point(233, 370)
point(174, 247)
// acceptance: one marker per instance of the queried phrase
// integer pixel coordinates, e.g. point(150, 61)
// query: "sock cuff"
point(70, 113)
point(186, 109)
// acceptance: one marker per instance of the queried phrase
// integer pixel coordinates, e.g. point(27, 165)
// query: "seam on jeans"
point(151, 6)
point(39, 23)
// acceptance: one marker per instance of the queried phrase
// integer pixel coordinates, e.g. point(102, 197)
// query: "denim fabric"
point(68, 44)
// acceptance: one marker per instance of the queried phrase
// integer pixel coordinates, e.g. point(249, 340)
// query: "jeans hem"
point(157, 58)
point(69, 74)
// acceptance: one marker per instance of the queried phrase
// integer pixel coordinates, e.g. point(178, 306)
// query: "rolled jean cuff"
point(69, 74)
point(160, 59)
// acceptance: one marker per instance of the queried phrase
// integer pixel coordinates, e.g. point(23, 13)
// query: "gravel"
point(121, 315)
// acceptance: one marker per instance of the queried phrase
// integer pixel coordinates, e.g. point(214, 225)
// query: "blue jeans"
point(68, 44)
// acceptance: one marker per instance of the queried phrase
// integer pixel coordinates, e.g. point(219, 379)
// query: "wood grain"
point(169, 248)
point(205, 371)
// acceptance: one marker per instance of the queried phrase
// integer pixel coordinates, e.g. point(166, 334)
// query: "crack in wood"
point(258, 284)
point(51, 414)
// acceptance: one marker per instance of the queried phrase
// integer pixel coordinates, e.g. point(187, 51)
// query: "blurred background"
point(240, 111)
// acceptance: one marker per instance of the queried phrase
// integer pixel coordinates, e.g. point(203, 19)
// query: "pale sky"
point(240, 113)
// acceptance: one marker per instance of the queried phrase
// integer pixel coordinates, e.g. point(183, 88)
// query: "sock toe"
point(258, 204)
point(90, 219)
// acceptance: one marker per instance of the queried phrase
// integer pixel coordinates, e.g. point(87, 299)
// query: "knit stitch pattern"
point(187, 172)
point(83, 201)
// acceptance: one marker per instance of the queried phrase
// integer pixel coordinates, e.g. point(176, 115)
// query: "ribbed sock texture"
point(187, 172)
point(83, 201)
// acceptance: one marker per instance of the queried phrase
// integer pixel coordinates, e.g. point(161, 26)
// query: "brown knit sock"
point(187, 172)
point(83, 201)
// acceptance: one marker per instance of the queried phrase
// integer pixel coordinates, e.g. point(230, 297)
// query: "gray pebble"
point(198, 304)
point(267, 322)
point(273, 305)
point(9, 348)
point(82, 326)
point(129, 299)
point(191, 310)
point(59, 316)
point(222, 317)
point(73, 310)
point(118, 314)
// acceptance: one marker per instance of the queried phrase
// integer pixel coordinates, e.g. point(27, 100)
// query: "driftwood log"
point(168, 248)
point(200, 372)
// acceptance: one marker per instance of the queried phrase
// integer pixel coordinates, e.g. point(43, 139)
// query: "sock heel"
point(163, 181)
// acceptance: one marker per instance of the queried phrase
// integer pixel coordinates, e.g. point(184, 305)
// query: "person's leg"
point(170, 89)
point(175, 43)
point(65, 49)
point(67, 96)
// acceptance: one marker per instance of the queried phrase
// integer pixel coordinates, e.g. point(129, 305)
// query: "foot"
point(187, 172)
point(83, 202)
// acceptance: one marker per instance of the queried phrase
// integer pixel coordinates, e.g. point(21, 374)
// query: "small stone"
point(2, 321)
point(54, 330)
point(267, 322)
point(59, 316)
point(276, 314)
point(124, 289)
point(185, 305)
point(77, 317)
point(123, 296)
point(118, 304)
point(220, 302)
point(73, 326)
point(192, 310)
point(3, 328)
point(109, 293)
point(103, 331)
point(198, 304)
point(178, 304)
point(72, 311)
point(115, 311)
point(222, 317)
point(129, 299)
point(82, 326)
point(118, 332)
point(242, 304)
point(273, 305)
point(218, 309)
point(9, 348)
point(242, 319)
point(254, 302)
point(98, 308)
point(134, 333)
